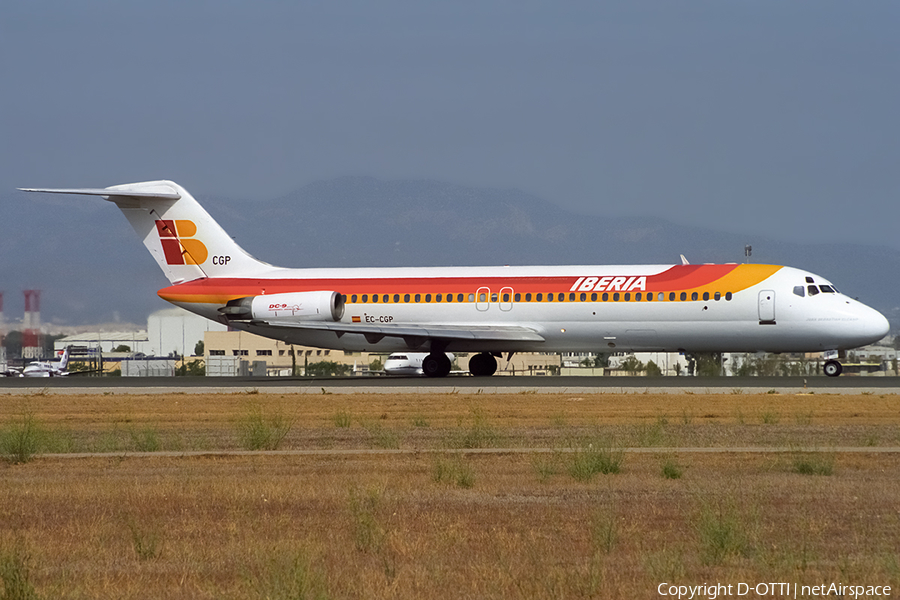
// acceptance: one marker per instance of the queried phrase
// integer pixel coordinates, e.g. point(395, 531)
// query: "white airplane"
point(48, 369)
point(407, 363)
point(488, 310)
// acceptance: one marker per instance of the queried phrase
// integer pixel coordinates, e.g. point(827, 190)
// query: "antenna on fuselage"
point(748, 250)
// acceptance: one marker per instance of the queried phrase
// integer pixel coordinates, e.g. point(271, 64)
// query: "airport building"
point(170, 332)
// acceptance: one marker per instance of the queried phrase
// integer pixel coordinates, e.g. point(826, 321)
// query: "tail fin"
point(184, 239)
point(64, 359)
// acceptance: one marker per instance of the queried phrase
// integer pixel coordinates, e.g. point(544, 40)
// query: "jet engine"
point(287, 307)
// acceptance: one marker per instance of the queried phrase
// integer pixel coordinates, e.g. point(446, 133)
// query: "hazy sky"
point(773, 117)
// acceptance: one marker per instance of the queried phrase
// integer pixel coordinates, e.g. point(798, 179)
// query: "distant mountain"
point(85, 257)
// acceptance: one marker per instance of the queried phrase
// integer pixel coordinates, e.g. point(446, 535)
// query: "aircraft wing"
point(494, 333)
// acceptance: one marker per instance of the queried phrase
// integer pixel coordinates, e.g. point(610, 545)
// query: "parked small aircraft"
point(48, 369)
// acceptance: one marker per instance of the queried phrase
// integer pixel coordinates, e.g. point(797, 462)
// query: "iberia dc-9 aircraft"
point(488, 310)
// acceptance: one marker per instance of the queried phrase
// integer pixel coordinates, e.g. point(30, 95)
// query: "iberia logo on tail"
point(177, 239)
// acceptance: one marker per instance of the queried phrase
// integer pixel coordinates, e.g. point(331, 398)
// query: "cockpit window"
point(827, 289)
point(799, 291)
point(810, 280)
point(813, 290)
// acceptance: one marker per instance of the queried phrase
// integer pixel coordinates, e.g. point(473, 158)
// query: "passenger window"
point(637, 297)
point(572, 297)
point(650, 297)
point(661, 296)
point(427, 297)
point(705, 296)
point(365, 298)
point(494, 297)
point(605, 297)
point(418, 298)
point(539, 298)
point(353, 298)
point(459, 297)
point(396, 298)
point(528, 297)
point(506, 297)
point(482, 297)
point(683, 296)
point(518, 297)
point(627, 297)
point(594, 297)
point(616, 297)
point(827, 289)
point(550, 297)
point(813, 290)
point(693, 295)
point(406, 297)
point(583, 296)
point(728, 296)
point(449, 297)
point(799, 291)
point(718, 296)
point(671, 296)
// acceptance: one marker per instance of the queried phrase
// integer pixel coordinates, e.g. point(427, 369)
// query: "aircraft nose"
point(875, 324)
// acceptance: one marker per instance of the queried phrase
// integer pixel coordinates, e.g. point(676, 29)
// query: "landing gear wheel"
point(482, 365)
point(436, 365)
point(833, 368)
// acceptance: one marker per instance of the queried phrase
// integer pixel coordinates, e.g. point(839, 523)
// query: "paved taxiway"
point(449, 385)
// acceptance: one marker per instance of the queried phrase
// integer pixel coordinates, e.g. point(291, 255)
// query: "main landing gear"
point(832, 368)
point(436, 364)
point(483, 365)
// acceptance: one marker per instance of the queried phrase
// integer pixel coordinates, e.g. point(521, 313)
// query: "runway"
point(454, 385)
point(331, 452)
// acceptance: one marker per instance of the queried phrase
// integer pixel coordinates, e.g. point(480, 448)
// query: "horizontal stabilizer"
point(110, 192)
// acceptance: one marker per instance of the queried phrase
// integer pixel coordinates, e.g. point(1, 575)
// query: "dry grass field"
point(423, 517)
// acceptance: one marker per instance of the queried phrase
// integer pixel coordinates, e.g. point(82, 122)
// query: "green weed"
point(146, 541)
point(722, 533)
point(21, 439)
point(671, 469)
point(812, 463)
point(595, 457)
point(15, 573)
point(261, 431)
point(341, 419)
point(480, 434)
point(454, 470)
point(367, 531)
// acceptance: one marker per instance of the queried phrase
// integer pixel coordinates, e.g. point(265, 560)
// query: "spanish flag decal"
point(356, 319)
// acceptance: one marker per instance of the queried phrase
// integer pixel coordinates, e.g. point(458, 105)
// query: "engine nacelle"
point(290, 306)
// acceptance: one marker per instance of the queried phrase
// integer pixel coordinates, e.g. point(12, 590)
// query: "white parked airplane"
point(48, 369)
point(407, 363)
point(488, 310)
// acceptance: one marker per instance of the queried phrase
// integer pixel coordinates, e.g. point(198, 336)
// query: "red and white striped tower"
point(31, 326)
point(3, 364)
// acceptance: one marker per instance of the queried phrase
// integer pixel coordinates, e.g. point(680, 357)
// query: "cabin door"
point(767, 307)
